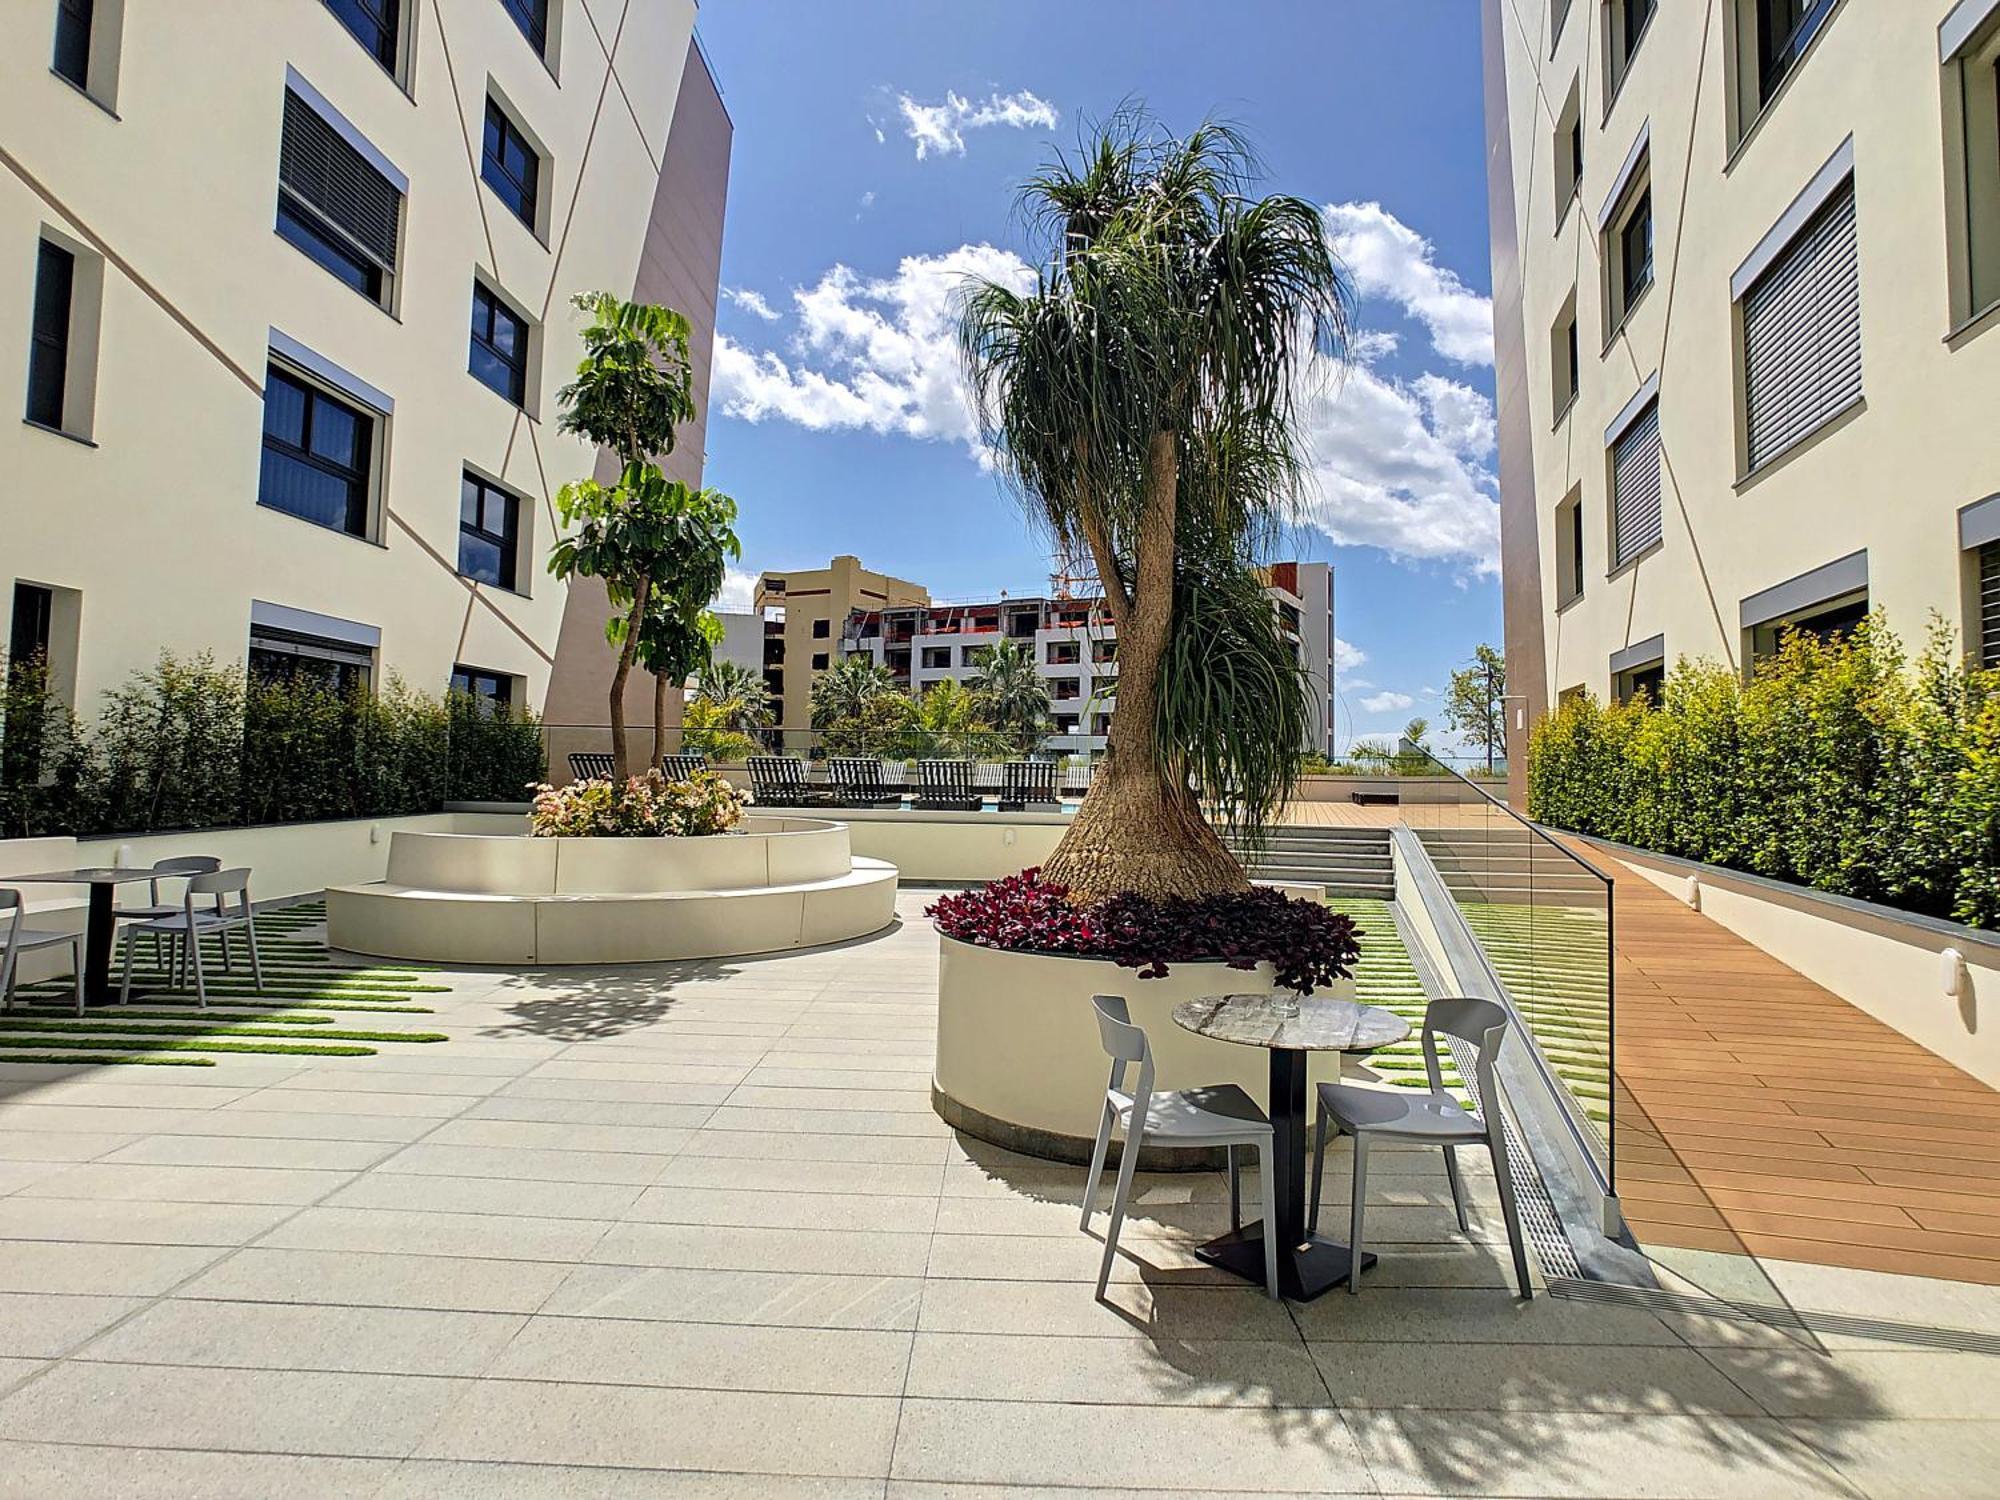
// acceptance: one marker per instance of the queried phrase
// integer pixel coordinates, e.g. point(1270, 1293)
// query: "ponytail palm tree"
point(1140, 399)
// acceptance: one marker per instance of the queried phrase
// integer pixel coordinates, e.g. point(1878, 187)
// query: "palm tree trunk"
point(621, 757)
point(1136, 831)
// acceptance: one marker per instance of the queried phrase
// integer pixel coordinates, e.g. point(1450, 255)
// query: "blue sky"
point(878, 147)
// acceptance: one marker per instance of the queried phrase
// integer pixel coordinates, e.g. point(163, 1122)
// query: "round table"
point(1308, 1264)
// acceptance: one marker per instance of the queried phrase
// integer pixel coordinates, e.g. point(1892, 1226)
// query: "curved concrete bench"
point(482, 899)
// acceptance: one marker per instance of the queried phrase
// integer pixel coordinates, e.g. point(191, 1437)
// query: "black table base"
point(1309, 1265)
point(98, 933)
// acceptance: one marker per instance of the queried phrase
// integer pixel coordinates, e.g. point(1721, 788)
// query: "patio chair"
point(681, 767)
point(857, 782)
point(946, 786)
point(592, 765)
point(1371, 1114)
point(193, 922)
point(16, 940)
point(180, 865)
point(1076, 778)
point(1219, 1115)
point(780, 781)
point(1029, 783)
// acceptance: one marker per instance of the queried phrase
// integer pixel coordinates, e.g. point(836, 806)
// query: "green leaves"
point(634, 384)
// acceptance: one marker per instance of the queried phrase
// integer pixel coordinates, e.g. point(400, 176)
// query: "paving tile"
point(116, 1221)
point(759, 1145)
point(32, 1471)
point(1157, 1448)
point(1893, 1460)
point(1865, 1384)
point(753, 1432)
point(758, 1298)
point(277, 1124)
point(1474, 1316)
point(1067, 1309)
point(38, 1325)
point(786, 1175)
point(388, 1231)
point(589, 1112)
point(618, 1351)
point(783, 1211)
point(276, 1411)
point(1133, 1371)
point(179, 1184)
point(349, 1080)
point(487, 1195)
point(425, 1159)
point(277, 1336)
point(1529, 1378)
point(375, 1104)
point(451, 1283)
point(59, 1145)
point(444, 1479)
point(15, 1175)
point(715, 1247)
point(655, 1140)
point(18, 1116)
point(1070, 1257)
point(253, 1151)
point(752, 1096)
point(613, 1091)
point(830, 1121)
point(110, 1270)
point(1051, 1216)
point(577, 1066)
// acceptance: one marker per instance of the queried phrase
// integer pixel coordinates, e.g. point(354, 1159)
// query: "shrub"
point(648, 806)
point(1310, 945)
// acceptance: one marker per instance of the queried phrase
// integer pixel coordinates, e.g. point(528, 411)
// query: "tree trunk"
point(621, 757)
point(659, 718)
point(1136, 831)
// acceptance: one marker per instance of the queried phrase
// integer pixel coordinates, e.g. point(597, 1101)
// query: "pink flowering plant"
point(1309, 944)
point(648, 806)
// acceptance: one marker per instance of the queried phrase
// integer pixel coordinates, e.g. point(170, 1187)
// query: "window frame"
point(313, 230)
point(497, 305)
point(529, 27)
point(67, 10)
point(467, 680)
point(1633, 190)
point(1970, 64)
point(363, 483)
point(1622, 44)
point(506, 541)
point(45, 345)
point(1644, 401)
point(394, 43)
point(498, 177)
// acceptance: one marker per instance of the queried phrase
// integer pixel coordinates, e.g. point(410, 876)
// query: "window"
point(509, 165)
point(28, 636)
point(1569, 550)
point(72, 54)
point(1972, 163)
point(494, 691)
point(1635, 486)
point(1627, 229)
point(1828, 622)
point(282, 657)
point(532, 16)
point(1066, 688)
point(1779, 31)
point(821, 660)
point(489, 532)
point(318, 452)
point(1648, 681)
point(936, 658)
point(1989, 605)
point(1626, 22)
point(1801, 323)
point(1103, 651)
point(334, 203)
point(1564, 358)
point(499, 345)
point(48, 349)
point(1064, 653)
point(1558, 13)
point(822, 629)
point(375, 24)
point(1635, 249)
point(1568, 146)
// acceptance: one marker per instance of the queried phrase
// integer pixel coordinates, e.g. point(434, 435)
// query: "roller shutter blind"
point(1802, 332)
point(1635, 487)
point(1989, 605)
point(327, 174)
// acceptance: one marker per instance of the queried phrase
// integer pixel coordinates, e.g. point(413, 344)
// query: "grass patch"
point(123, 1013)
point(106, 1059)
point(179, 1027)
point(167, 1044)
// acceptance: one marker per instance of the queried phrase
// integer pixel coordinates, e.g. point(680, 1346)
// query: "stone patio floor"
point(695, 1230)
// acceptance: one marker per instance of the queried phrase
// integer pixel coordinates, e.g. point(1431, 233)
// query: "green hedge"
point(195, 744)
point(1841, 765)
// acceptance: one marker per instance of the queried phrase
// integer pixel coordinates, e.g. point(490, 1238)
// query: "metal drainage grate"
point(1541, 1226)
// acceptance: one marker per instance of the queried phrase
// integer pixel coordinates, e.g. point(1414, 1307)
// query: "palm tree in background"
point(845, 688)
point(1013, 694)
point(739, 694)
point(1140, 399)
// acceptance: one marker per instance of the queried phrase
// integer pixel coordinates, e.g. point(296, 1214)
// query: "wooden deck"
point(1759, 1113)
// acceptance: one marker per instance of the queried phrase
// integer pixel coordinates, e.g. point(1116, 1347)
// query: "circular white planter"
point(495, 899)
point(1020, 1063)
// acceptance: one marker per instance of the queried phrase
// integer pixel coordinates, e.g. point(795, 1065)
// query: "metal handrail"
point(1527, 824)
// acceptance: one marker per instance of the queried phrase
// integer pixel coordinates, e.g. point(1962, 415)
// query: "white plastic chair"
point(1429, 1119)
point(190, 924)
point(175, 868)
point(16, 940)
point(1219, 1115)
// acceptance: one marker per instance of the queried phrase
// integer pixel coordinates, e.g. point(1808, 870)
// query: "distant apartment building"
point(1747, 313)
point(805, 612)
point(1071, 637)
point(287, 292)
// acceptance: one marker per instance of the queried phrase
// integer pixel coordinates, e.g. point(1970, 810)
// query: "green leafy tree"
point(650, 540)
point(1013, 695)
point(847, 687)
point(1416, 729)
point(1475, 705)
point(740, 689)
point(950, 720)
point(1140, 397)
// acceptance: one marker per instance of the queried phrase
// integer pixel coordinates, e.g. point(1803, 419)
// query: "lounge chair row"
point(858, 781)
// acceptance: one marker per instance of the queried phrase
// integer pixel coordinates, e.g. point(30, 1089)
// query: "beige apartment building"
point(1746, 269)
point(288, 302)
point(805, 612)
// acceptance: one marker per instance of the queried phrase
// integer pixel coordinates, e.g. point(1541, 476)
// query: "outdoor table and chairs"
point(205, 911)
point(100, 922)
point(16, 939)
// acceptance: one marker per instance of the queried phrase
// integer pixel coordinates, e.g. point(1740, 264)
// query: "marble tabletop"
point(1321, 1025)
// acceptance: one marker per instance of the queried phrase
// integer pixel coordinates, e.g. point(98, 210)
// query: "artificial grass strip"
point(124, 1013)
point(169, 1044)
point(106, 1059)
point(74, 1026)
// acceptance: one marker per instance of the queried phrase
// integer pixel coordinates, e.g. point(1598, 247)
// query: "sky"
point(879, 146)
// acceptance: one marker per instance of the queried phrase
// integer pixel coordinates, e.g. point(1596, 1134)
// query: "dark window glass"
point(286, 658)
point(489, 532)
point(48, 349)
point(1637, 14)
point(72, 59)
point(1576, 549)
point(1635, 249)
point(1576, 153)
point(1575, 357)
point(1784, 28)
point(373, 23)
point(309, 232)
point(532, 16)
point(822, 629)
point(499, 346)
point(28, 635)
point(316, 455)
point(495, 690)
point(510, 166)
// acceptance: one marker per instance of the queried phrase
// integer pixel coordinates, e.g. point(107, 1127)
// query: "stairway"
point(1507, 863)
point(1346, 861)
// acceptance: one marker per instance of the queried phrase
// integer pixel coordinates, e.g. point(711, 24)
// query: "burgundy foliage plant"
point(1310, 945)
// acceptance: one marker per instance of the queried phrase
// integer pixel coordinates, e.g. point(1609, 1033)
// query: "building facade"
point(290, 292)
point(1746, 272)
point(845, 610)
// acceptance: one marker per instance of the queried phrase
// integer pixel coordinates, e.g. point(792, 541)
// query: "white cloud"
point(939, 129)
point(739, 588)
point(1347, 656)
point(751, 301)
point(1461, 417)
point(1388, 259)
point(1383, 703)
point(880, 355)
